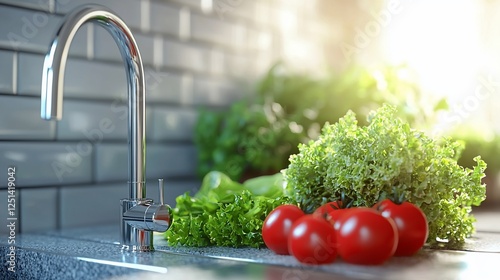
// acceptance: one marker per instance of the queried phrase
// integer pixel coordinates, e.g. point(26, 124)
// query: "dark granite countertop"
point(93, 253)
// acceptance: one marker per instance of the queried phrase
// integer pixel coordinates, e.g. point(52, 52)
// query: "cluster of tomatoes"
point(359, 235)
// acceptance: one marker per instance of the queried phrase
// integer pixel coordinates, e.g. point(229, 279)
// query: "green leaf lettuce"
point(387, 158)
point(224, 212)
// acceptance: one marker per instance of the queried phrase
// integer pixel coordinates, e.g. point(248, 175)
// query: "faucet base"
point(139, 219)
point(134, 238)
point(137, 240)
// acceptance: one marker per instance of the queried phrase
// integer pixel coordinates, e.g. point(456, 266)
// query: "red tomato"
point(277, 226)
point(328, 210)
point(411, 224)
point(312, 241)
point(364, 236)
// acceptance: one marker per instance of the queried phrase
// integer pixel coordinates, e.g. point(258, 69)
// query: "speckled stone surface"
point(94, 253)
point(40, 265)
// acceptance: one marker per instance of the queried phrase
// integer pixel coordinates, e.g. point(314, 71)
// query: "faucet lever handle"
point(160, 188)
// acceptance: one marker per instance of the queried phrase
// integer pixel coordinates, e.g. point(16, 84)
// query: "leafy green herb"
point(367, 163)
point(248, 137)
point(225, 213)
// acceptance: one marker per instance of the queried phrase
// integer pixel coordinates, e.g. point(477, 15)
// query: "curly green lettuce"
point(384, 159)
point(234, 223)
point(224, 212)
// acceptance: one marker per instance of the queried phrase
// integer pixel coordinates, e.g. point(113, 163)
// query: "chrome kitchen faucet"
point(139, 215)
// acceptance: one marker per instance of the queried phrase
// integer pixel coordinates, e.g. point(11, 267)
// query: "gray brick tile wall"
point(91, 121)
point(162, 161)
point(218, 31)
point(41, 164)
point(243, 9)
point(128, 10)
point(47, 5)
point(195, 54)
point(75, 202)
point(166, 87)
point(215, 92)
point(111, 162)
point(38, 209)
point(165, 19)
point(4, 214)
point(172, 123)
point(24, 29)
point(195, 4)
point(20, 119)
point(29, 77)
point(217, 59)
point(183, 55)
point(171, 161)
point(7, 72)
point(101, 80)
point(81, 46)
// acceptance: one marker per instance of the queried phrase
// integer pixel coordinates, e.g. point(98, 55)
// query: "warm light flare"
point(440, 40)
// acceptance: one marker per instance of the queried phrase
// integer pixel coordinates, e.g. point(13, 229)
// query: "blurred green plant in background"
point(257, 135)
point(487, 145)
point(249, 136)
point(476, 142)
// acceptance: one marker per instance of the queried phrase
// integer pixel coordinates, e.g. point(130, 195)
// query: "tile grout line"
point(158, 52)
point(19, 210)
point(52, 6)
point(90, 41)
point(58, 208)
point(15, 59)
point(184, 24)
point(145, 15)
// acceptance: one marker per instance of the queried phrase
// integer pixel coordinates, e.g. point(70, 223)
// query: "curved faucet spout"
point(53, 82)
point(140, 216)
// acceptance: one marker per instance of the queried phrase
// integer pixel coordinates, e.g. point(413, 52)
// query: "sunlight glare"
point(440, 40)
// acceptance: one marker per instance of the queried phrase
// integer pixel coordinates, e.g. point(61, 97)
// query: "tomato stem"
point(398, 196)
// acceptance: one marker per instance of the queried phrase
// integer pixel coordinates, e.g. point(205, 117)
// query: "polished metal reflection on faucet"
point(140, 216)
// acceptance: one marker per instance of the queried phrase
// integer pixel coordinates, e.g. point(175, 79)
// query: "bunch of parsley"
point(387, 159)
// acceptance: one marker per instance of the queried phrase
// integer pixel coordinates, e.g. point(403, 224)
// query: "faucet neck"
point(53, 82)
